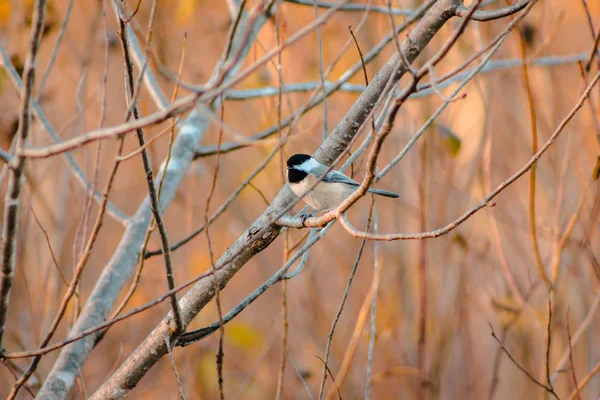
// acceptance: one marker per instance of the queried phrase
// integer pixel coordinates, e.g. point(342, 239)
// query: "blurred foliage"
point(476, 144)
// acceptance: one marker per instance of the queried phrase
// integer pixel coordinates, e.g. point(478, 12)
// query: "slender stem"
point(534, 148)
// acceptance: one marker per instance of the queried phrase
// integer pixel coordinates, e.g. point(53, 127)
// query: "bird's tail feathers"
point(384, 193)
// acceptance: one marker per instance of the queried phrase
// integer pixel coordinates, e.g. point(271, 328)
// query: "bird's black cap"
point(297, 159)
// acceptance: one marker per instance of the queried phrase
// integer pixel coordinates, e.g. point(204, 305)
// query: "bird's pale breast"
point(325, 196)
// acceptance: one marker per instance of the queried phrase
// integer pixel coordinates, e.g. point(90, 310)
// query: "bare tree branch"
point(353, 7)
point(462, 11)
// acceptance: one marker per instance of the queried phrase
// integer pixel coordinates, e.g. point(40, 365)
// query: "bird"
point(303, 171)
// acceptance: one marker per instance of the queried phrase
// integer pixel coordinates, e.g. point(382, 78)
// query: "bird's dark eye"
point(295, 175)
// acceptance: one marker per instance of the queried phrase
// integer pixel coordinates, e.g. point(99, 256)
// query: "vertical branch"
point(422, 278)
point(375, 289)
point(212, 258)
point(15, 182)
point(286, 248)
point(588, 64)
point(154, 203)
point(279, 68)
point(174, 367)
point(549, 342)
point(284, 322)
point(59, 38)
point(152, 226)
point(573, 374)
point(534, 148)
point(341, 307)
point(361, 321)
point(548, 389)
point(321, 75)
point(497, 238)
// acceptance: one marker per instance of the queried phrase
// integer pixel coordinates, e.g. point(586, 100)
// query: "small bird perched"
point(303, 172)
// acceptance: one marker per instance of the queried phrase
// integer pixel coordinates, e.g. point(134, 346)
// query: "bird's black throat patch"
point(295, 175)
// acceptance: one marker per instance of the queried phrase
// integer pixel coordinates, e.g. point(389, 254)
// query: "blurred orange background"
point(477, 143)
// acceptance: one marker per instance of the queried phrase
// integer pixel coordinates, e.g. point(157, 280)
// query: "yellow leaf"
point(245, 336)
point(185, 10)
point(450, 139)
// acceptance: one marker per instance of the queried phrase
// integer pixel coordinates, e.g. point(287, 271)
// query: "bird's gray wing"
point(338, 177)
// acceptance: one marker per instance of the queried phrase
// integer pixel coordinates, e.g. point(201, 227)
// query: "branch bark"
point(263, 230)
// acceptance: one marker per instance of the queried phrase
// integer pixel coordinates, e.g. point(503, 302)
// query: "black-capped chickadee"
point(303, 172)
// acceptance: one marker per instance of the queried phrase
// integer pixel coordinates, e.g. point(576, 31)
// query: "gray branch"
point(423, 90)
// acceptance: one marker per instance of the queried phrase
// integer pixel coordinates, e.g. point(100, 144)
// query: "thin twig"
point(14, 370)
point(59, 38)
point(220, 353)
point(375, 289)
point(588, 64)
point(321, 75)
point(354, 7)
point(584, 382)
point(585, 324)
point(359, 326)
point(573, 373)
point(549, 341)
point(300, 377)
point(462, 11)
point(49, 244)
point(423, 294)
point(284, 323)
point(326, 368)
point(546, 388)
point(174, 367)
point(342, 303)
